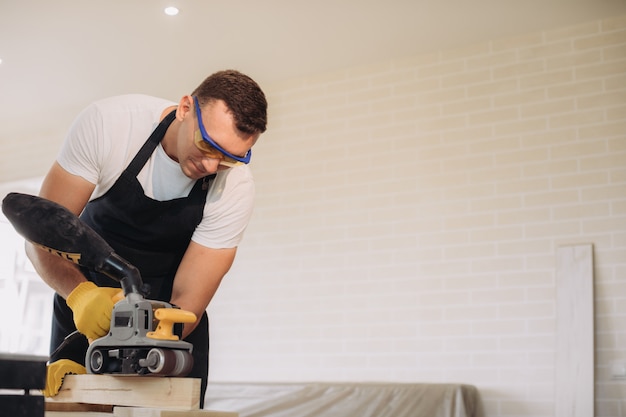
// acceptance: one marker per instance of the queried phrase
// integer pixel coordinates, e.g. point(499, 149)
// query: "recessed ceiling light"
point(171, 11)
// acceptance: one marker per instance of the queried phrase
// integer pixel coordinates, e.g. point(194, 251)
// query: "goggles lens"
point(212, 152)
point(204, 142)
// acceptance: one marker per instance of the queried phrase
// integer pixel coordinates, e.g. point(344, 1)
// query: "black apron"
point(153, 236)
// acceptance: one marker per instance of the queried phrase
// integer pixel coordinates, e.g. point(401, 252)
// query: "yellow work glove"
point(56, 371)
point(92, 306)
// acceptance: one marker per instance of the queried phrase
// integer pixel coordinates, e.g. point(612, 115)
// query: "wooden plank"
point(134, 391)
point(151, 412)
point(142, 412)
point(57, 406)
point(575, 332)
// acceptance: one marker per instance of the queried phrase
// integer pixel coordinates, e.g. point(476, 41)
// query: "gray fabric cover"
point(344, 399)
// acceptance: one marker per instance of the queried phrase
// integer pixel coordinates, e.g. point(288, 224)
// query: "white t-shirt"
point(107, 135)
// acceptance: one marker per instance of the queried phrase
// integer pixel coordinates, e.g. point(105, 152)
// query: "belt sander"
point(141, 340)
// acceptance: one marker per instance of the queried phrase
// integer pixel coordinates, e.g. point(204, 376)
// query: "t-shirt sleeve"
point(227, 211)
point(82, 151)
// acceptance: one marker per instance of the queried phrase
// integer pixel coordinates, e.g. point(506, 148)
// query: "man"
point(168, 187)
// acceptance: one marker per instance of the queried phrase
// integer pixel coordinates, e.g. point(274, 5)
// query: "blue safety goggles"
point(209, 146)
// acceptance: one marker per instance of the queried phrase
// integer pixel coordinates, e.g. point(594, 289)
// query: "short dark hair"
point(242, 95)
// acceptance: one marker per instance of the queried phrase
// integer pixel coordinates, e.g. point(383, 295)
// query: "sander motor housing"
point(141, 340)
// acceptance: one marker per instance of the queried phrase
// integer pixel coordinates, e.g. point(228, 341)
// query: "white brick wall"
point(408, 215)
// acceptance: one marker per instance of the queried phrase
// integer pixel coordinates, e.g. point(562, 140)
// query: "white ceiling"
point(57, 56)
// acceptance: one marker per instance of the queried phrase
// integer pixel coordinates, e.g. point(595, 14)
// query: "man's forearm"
point(60, 274)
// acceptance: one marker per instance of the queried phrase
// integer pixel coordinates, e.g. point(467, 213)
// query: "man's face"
point(214, 143)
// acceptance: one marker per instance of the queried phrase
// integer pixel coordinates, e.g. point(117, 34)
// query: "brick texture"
point(408, 215)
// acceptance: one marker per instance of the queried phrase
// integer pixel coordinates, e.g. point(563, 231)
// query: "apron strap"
point(146, 150)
